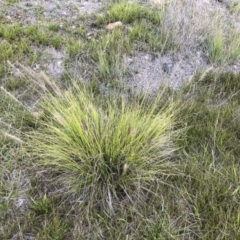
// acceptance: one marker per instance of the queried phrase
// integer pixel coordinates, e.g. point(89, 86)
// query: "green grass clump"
point(126, 12)
point(42, 37)
point(216, 48)
point(54, 27)
point(131, 12)
point(222, 49)
point(74, 48)
point(234, 48)
point(107, 153)
point(41, 206)
point(13, 1)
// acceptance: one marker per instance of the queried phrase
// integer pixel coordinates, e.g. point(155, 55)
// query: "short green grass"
point(19, 43)
point(79, 163)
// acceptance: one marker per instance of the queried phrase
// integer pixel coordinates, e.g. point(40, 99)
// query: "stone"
point(111, 26)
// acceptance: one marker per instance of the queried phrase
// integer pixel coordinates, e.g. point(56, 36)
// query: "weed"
point(42, 205)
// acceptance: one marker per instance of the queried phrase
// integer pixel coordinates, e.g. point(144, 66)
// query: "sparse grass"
point(142, 31)
point(93, 169)
point(108, 53)
point(18, 42)
point(211, 116)
point(146, 24)
point(53, 228)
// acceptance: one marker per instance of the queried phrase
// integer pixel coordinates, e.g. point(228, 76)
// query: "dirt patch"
point(149, 71)
point(30, 12)
point(53, 62)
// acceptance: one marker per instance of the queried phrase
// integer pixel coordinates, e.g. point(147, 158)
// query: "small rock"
point(22, 203)
point(89, 34)
point(111, 26)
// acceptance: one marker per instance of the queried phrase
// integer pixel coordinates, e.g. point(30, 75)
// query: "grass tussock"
point(107, 152)
point(112, 162)
point(132, 12)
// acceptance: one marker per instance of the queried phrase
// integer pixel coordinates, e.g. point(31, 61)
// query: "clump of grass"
point(107, 153)
point(222, 50)
point(54, 27)
point(13, 1)
point(42, 205)
point(130, 12)
point(52, 227)
point(39, 36)
point(74, 47)
point(126, 12)
point(234, 48)
point(216, 52)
